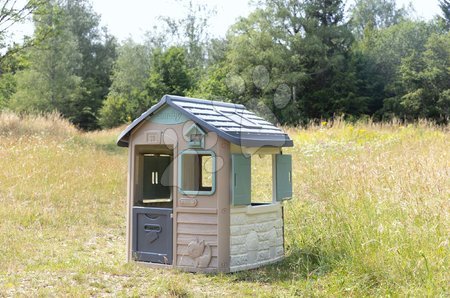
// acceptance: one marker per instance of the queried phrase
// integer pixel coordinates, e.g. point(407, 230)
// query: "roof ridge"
point(205, 101)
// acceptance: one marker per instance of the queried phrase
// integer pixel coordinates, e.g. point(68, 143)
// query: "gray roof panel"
point(221, 118)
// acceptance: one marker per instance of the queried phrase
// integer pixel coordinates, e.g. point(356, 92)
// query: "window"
point(196, 140)
point(197, 172)
point(261, 189)
point(262, 182)
point(195, 136)
point(156, 177)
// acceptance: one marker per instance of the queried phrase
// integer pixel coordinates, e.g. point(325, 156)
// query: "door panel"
point(152, 235)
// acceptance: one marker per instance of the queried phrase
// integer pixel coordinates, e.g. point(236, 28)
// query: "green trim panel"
point(241, 187)
point(168, 116)
point(283, 177)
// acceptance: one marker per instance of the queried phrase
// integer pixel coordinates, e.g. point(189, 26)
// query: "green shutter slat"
point(240, 180)
point(283, 177)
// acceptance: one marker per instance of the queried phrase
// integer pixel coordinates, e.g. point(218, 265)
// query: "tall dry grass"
point(373, 210)
point(52, 125)
point(370, 216)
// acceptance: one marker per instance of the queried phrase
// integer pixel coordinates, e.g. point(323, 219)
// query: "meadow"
point(369, 217)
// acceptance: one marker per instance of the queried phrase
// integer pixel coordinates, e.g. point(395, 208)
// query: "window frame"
point(180, 172)
point(194, 129)
point(282, 188)
point(158, 179)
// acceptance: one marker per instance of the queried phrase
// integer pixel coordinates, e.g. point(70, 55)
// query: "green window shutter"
point(240, 180)
point(283, 177)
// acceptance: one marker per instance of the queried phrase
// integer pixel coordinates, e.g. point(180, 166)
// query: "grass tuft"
point(48, 125)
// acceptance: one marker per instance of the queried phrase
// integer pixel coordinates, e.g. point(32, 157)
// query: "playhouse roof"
point(233, 122)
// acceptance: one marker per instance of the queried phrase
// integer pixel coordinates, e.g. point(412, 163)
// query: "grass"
point(370, 216)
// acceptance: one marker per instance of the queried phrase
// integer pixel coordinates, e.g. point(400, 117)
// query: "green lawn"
point(370, 216)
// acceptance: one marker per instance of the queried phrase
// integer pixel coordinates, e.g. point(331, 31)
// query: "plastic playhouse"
point(189, 187)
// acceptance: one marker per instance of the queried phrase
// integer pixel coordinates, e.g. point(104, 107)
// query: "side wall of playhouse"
point(256, 236)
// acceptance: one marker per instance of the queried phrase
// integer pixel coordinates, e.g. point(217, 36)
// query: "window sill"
point(197, 193)
point(258, 208)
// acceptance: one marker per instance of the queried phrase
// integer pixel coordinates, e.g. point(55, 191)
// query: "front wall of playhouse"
point(200, 223)
point(208, 233)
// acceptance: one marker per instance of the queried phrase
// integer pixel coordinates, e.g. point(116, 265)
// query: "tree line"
point(294, 60)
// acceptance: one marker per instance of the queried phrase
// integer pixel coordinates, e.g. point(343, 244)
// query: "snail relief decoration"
point(200, 252)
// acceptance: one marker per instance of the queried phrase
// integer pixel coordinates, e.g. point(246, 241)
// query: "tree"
point(72, 65)
point(297, 50)
point(50, 83)
point(375, 14)
point(426, 81)
point(265, 51)
point(127, 97)
point(327, 43)
point(444, 5)
point(98, 52)
point(213, 85)
point(10, 64)
point(169, 73)
point(190, 33)
point(12, 14)
point(380, 53)
point(8, 87)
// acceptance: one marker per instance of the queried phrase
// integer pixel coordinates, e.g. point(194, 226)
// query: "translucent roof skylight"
point(239, 119)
